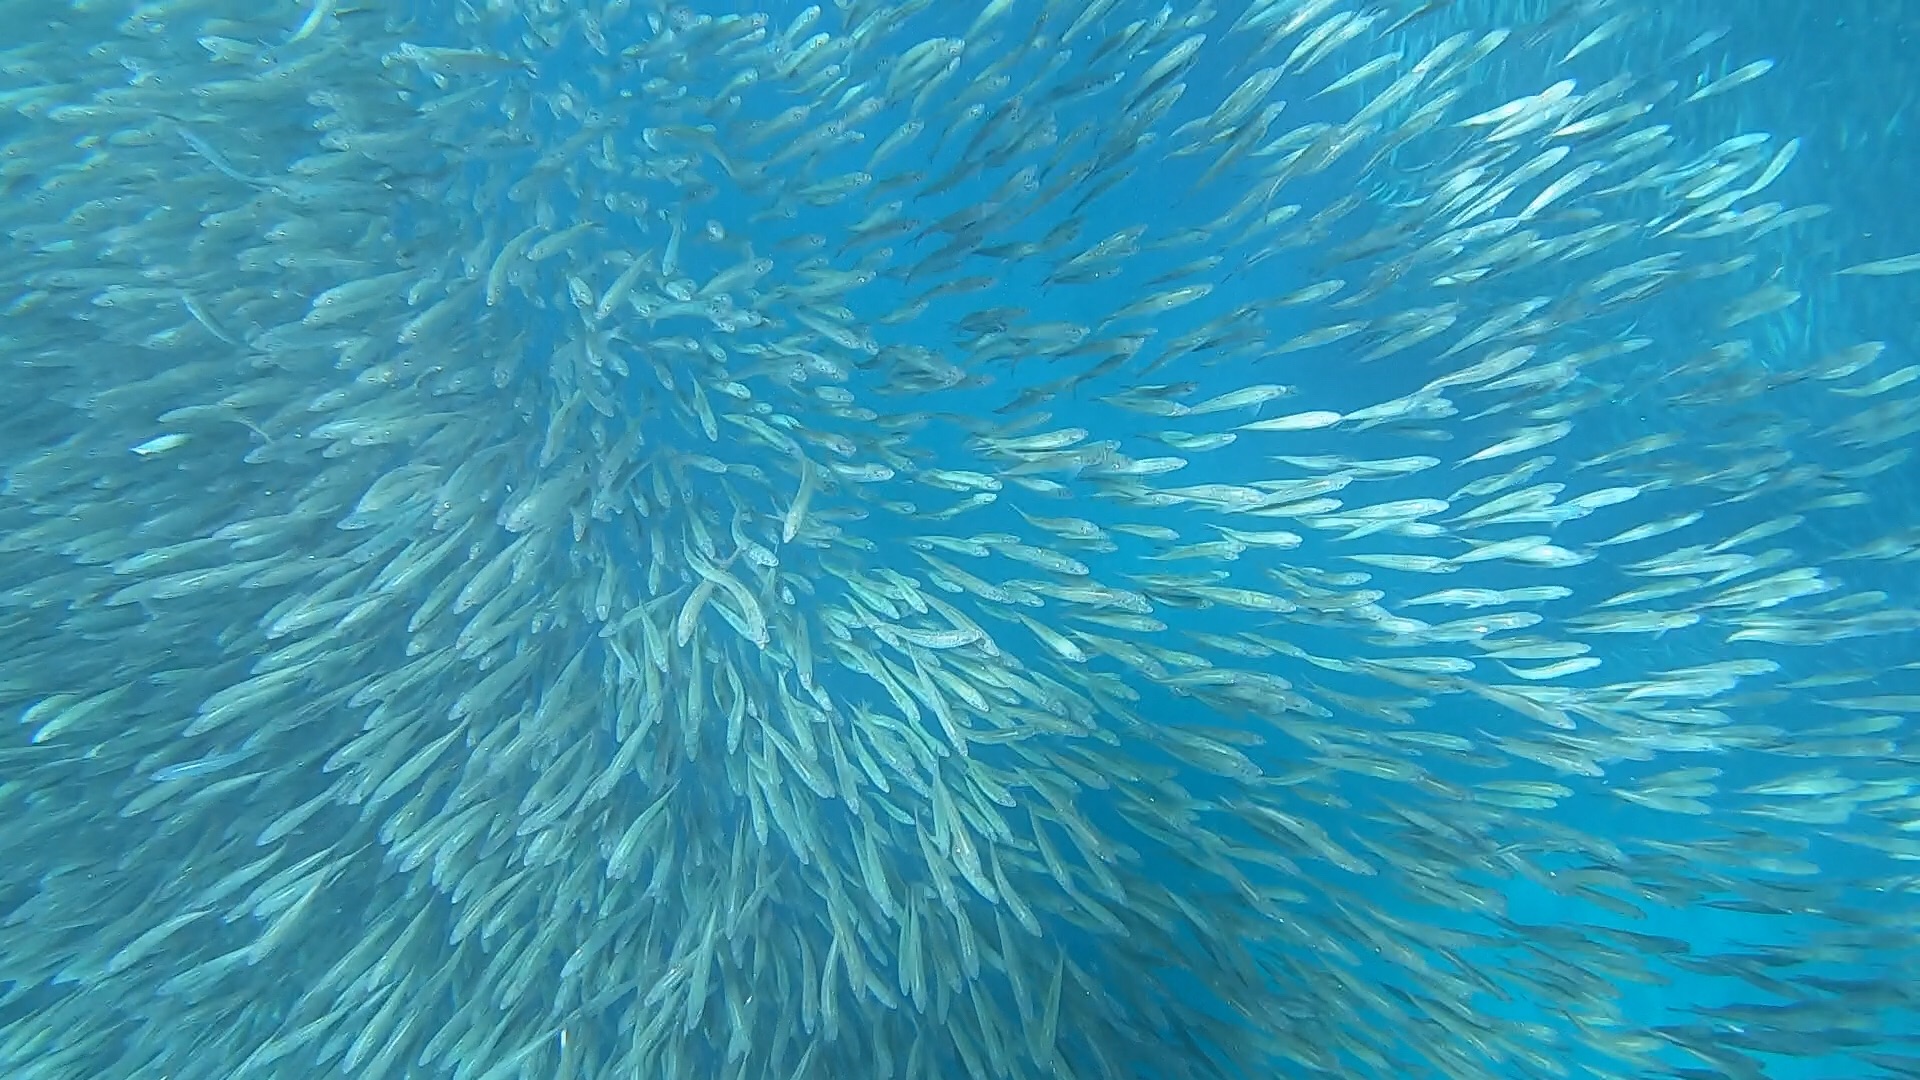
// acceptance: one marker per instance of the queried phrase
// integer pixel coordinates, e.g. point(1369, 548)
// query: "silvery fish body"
point(625, 538)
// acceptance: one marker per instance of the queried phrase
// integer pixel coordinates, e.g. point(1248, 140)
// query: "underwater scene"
point(959, 540)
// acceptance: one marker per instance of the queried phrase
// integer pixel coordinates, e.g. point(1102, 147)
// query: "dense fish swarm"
point(1043, 540)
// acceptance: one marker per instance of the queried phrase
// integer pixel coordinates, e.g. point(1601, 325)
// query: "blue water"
point(1789, 992)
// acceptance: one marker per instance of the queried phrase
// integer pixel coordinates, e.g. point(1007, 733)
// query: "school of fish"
point(907, 539)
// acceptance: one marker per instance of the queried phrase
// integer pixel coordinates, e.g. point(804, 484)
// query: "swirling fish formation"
point(1048, 540)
